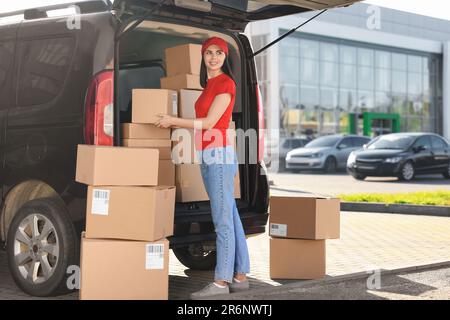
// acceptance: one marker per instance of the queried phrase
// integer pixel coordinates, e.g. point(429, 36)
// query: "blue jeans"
point(218, 167)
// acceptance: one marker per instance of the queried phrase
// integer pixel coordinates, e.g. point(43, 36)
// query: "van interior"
point(141, 59)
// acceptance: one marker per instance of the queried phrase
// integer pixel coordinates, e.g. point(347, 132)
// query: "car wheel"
point(359, 176)
point(195, 257)
point(330, 165)
point(407, 172)
point(447, 173)
point(41, 245)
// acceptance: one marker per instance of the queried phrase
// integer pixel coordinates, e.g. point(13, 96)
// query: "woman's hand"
point(165, 121)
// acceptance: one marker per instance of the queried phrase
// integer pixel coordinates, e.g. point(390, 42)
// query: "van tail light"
point(99, 110)
point(260, 125)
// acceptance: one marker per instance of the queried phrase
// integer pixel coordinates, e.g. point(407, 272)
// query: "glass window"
point(329, 74)
point(309, 71)
point(309, 96)
point(383, 59)
point(383, 79)
point(398, 81)
point(328, 97)
point(365, 78)
point(365, 99)
point(346, 143)
point(426, 64)
point(365, 57)
point(289, 47)
point(392, 141)
point(309, 49)
point(287, 66)
point(327, 141)
point(286, 144)
point(296, 143)
point(382, 101)
point(289, 96)
point(414, 83)
point(348, 76)
point(347, 99)
point(44, 64)
point(399, 61)
point(438, 143)
point(329, 52)
point(347, 55)
point(423, 141)
point(414, 63)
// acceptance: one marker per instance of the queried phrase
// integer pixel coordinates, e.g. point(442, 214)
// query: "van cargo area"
point(141, 65)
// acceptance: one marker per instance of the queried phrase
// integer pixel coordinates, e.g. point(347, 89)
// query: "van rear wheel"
point(196, 257)
point(41, 244)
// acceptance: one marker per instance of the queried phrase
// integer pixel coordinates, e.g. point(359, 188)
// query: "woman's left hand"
point(165, 121)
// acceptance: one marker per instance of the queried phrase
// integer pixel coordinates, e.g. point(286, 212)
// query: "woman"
point(213, 114)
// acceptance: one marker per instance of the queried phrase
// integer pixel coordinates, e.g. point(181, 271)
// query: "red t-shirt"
point(214, 86)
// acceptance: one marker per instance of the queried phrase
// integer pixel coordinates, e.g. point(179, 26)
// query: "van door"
point(231, 15)
point(7, 54)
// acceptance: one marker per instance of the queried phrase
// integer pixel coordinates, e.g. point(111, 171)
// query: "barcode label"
point(277, 229)
point(174, 104)
point(100, 202)
point(154, 256)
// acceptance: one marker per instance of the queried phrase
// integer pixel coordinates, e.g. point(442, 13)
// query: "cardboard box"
point(166, 176)
point(117, 166)
point(312, 217)
point(181, 81)
point(147, 103)
point(144, 131)
point(124, 270)
point(164, 146)
point(186, 58)
point(297, 259)
point(130, 213)
point(190, 187)
point(186, 103)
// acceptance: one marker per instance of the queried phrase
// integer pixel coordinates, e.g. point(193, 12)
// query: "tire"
point(330, 165)
point(359, 176)
point(407, 172)
point(56, 247)
point(446, 174)
point(195, 257)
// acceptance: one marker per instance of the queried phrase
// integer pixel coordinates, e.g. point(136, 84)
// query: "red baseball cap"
point(222, 44)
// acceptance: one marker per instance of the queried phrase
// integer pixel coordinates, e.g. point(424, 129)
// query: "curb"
point(424, 210)
point(328, 280)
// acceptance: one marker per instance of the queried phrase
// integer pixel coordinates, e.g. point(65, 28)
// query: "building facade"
point(351, 61)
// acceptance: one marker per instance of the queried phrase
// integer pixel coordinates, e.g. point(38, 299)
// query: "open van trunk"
point(141, 61)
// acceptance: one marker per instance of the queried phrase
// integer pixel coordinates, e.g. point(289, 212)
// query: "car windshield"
point(400, 142)
point(323, 142)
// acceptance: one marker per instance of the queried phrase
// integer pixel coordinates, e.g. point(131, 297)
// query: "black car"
point(401, 155)
point(67, 80)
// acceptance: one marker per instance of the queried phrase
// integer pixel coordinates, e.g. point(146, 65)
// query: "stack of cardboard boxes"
point(124, 250)
point(298, 227)
point(183, 74)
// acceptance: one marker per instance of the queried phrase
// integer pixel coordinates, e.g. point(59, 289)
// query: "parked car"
point(327, 153)
point(402, 155)
point(286, 145)
point(66, 81)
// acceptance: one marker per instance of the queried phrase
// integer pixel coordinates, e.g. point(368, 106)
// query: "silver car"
point(327, 153)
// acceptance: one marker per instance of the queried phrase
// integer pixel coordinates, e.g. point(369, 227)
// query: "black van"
point(66, 80)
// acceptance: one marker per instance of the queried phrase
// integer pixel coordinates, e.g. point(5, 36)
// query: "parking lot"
point(368, 241)
point(341, 182)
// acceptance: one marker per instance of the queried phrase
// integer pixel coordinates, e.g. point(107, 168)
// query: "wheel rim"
point(36, 248)
point(408, 171)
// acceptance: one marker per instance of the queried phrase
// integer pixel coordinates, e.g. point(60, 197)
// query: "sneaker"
point(210, 290)
point(239, 286)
